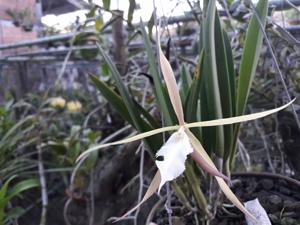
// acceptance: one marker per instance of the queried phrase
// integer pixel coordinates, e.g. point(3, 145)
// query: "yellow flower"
point(74, 106)
point(58, 102)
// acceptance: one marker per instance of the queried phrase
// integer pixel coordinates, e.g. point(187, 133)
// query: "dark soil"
point(280, 197)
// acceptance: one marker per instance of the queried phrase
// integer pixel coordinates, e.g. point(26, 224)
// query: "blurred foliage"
point(216, 77)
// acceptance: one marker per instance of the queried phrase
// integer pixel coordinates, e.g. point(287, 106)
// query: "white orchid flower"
point(172, 155)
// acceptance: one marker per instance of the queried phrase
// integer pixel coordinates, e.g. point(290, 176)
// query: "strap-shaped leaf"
point(117, 102)
point(161, 97)
point(123, 90)
point(22, 186)
point(114, 99)
point(191, 103)
point(193, 181)
point(210, 84)
point(250, 56)
point(131, 8)
point(224, 84)
point(231, 71)
point(186, 81)
point(106, 4)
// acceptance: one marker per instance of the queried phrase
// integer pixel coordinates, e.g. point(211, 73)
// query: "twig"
point(275, 62)
point(194, 13)
point(86, 121)
point(142, 159)
point(92, 199)
point(292, 5)
point(227, 10)
point(262, 135)
point(66, 219)
point(43, 186)
point(168, 203)
point(141, 183)
point(244, 155)
point(64, 65)
point(190, 61)
point(268, 175)
point(78, 165)
point(153, 210)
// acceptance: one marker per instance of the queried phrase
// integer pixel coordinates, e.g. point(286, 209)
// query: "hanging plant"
point(21, 18)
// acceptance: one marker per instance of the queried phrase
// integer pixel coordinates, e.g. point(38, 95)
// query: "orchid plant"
point(171, 156)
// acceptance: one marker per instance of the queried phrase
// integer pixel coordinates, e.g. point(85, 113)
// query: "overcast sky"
point(164, 7)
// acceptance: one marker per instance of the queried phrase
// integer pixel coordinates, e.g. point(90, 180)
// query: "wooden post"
point(22, 86)
point(119, 48)
point(38, 17)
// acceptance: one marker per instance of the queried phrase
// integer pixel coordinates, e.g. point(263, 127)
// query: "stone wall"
point(21, 78)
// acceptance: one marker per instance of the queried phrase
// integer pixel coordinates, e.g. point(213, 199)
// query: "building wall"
point(15, 5)
point(9, 33)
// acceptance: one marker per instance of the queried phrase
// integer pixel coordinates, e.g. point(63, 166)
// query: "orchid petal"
point(173, 153)
point(171, 85)
point(206, 166)
point(224, 187)
point(237, 119)
point(127, 140)
point(209, 123)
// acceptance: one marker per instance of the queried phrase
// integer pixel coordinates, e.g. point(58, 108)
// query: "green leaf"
point(151, 24)
point(92, 12)
point(91, 161)
point(4, 188)
point(191, 103)
point(117, 102)
point(186, 81)
point(191, 109)
point(131, 9)
point(106, 4)
point(5, 196)
point(197, 192)
point(150, 119)
point(231, 71)
point(224, 84)
point(161, 94)
point(16, 127)
point(98, 23)
point(14, 213)
point(135, 117)
point(114, 99)
point(250, 56)
point(214, 137)
point(105, 69)
point(22, 186)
